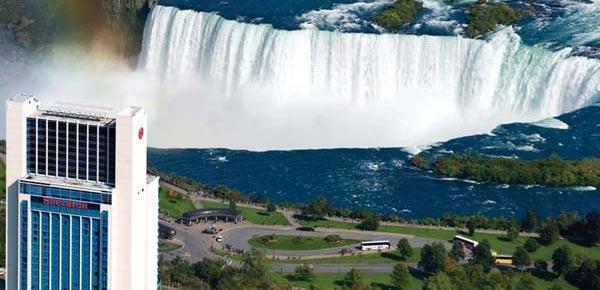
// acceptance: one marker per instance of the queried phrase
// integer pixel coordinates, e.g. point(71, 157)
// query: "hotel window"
point(93, 153)
point(23, 244)
point(111, 154)
point(52, 147)
point(65, 246)
point(41, 146)
point(103, 154)
point(83, 147)
point(72, 154)
point(62, 149)
point(31, 145)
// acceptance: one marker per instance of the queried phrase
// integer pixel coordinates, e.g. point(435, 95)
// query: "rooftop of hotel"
point(81, 184)
point(80, 112)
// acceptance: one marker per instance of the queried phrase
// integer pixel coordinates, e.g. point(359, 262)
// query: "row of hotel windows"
point(64, 193)
point(71, 150)
point(67, 252)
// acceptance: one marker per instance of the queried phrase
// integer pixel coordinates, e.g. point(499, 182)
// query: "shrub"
point(398, 14)
point(531, 245)
point(333, 238)
point(484, 17)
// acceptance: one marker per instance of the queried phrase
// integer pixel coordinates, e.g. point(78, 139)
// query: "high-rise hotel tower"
point(81, 211)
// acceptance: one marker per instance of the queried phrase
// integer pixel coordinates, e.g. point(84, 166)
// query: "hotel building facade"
point(81, 211)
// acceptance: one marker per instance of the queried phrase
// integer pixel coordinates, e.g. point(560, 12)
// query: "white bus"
point(467, 243)
point(375, 245)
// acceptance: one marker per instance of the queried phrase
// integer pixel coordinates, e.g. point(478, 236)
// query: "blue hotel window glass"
point(96, 265)
point(71, 194)
point(45, 255)
point(23, 244)
point(31, 145)
point(72, 146)
point(93, 153)
point(41, 146)
point(83, 147)
point(65, 246)
point(62, 149)
point(35, 250)
point(111, 154)
point(85, 254)
point(52, 147)
point(55, 260)
point(104, 251)
point(75, 270)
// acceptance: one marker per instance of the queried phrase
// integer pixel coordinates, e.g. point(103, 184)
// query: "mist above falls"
point(208, 82)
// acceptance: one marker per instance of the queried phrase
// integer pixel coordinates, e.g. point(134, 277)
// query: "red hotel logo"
point(56, 202)
point(141, 133)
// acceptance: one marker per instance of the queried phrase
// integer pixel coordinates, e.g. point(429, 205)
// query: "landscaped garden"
point(299, 243)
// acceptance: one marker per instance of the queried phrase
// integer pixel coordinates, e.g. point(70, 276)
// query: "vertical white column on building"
point(17, 111)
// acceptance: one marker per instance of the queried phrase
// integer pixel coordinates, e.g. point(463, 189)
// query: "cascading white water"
point(424, 83)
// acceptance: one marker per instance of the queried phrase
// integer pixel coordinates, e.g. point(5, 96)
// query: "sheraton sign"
point(64, 203)
point(71, 204)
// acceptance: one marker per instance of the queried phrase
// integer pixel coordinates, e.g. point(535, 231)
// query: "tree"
point(521, 258)
point(512, 232)
point(432, 257)
point(525, 282)
point(400, 277)
point(319, 207)
point(439, 281)
point(531, 245)
point(271, 207)
point(369, 223)
point(255, 269)
point(210, 271)
point(549, 233)
point(404, 249)
point(530, 222)
point(592, 226)
point(304, 272)
point(482, 255)
point(562, 260)
point(471, 226)
point(356, 279)
point(457, 252)
point(232, 205)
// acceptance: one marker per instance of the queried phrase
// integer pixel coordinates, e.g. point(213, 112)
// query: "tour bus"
point(467, 243)
point(504, 260)
point(375, 245)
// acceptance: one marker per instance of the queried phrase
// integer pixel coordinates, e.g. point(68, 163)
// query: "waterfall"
point(420, 82)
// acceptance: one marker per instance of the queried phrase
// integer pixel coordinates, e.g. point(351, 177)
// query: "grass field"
point(299, 243)
point(164, 246)
point(331, 281)
point(252, 215)
point(499, 244)
point(371, 258)
point(174, 206)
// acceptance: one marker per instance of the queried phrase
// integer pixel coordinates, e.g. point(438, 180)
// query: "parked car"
point(305, 229)
point(219, 239)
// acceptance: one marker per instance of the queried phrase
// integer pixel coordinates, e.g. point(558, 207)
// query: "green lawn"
point(253, 215)
point(299, 243)
point(498, 243)
point(164, 246)
point(371, 258)
point(174, 206)
point(331, 281)
point(325, 223)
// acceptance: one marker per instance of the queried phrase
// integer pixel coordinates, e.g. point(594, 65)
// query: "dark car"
point(305, 229)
